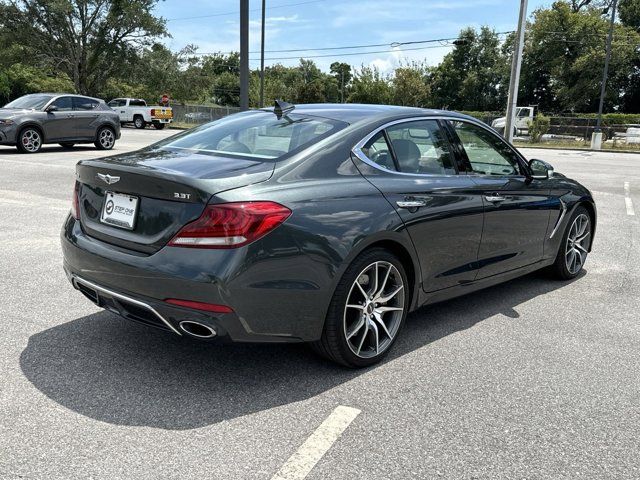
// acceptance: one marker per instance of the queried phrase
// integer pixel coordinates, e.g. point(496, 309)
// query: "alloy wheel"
point(374, 309)
point(577, 243)
point(31, 140)
point(107, 138)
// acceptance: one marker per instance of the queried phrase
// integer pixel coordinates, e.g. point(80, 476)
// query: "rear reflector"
point(153, 112)
point(75, 203)
point(207, 307)
point(231, 225)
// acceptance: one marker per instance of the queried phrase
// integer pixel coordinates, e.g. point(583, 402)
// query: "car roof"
point(67, 95)
point(354, 112)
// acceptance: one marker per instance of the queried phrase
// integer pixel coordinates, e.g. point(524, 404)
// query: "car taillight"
point(231, 225)
point(153, 112)
point(75, 203)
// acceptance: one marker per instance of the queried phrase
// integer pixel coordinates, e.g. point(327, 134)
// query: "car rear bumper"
point(136, 286)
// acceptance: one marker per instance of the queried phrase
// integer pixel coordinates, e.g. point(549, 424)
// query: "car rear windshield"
point(30, 102)
point(256, 134)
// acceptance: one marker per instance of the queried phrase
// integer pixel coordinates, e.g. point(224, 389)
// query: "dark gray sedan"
point(324, 224)
point(33, 120)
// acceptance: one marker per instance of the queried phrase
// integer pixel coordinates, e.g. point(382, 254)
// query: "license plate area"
point(119, 210)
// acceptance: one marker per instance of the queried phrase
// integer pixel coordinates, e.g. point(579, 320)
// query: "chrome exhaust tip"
point(197, 329)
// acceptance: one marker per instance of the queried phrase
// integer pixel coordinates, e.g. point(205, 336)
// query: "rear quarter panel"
point(292, 273)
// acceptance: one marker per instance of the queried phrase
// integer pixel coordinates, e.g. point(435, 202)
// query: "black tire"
point(333, 343)
point(30, 140)
point(159, 126)
point(105, 138)
point(564, 268)
point(67, 144)
point(139, 122)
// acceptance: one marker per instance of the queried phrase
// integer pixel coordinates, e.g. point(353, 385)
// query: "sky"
point(213, 26)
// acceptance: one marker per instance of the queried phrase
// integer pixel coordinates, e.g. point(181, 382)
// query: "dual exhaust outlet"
point(197, 329)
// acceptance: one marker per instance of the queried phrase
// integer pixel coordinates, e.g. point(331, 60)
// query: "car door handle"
point(411, 203)
point(495, 198)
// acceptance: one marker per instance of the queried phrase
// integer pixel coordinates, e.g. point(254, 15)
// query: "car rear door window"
point(137, 103)
point(80, 103)
point(378, 151)
point(64, 104)
point(421, 147)
point(487, 154)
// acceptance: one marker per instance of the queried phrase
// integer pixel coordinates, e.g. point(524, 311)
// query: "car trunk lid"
point(172, 187)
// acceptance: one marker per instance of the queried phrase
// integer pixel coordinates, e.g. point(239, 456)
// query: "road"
point(531, 379)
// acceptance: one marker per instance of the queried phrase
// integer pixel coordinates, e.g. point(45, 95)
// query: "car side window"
point(421, 147)
point(487, 154)
point(116, 103)
point(137, 103)
point(377, 150)
point(64, 104)
point(80, 103)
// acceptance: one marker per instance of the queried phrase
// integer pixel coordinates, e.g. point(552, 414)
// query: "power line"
point(358, 53)
point(371, 45)
point(251, 10)
point(445, 42)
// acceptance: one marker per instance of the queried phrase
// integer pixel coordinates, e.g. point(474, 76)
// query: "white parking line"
point(627, 199)
point(313, 449)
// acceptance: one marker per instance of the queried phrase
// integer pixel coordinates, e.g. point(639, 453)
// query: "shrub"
point(538, 127)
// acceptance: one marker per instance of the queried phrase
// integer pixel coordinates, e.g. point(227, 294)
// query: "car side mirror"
point(540, 169)
point(51, 108)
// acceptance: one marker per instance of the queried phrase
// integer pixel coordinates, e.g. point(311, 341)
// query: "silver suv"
point(33, 120)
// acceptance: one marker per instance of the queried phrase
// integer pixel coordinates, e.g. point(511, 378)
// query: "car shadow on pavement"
point(122, 373)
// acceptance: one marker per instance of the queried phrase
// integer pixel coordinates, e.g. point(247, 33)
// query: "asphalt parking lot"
point(531, 379)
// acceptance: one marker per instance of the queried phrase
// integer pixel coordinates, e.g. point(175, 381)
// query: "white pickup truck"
point(136, 111)
point(524, 115)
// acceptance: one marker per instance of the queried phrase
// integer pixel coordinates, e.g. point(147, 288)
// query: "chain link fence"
point(197, 114)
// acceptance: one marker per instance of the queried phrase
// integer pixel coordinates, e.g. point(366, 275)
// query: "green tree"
point(25, 79)
point(312, 92)
point(342, 75)
point(226, 89)
point(411, 86)
point(5, 87)
point(563, 58)
point(369, 85)
point(630, 13)
point(88, 40)
point(471, 76)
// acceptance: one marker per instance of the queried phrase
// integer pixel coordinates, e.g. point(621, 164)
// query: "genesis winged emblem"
point(108, 178)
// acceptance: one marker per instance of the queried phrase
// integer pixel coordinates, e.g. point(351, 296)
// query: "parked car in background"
point(33, 120)
point(136, 111)
point(524, 115)
point(324, 224)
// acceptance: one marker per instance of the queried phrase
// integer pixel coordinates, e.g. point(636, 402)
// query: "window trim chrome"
point(357, 149)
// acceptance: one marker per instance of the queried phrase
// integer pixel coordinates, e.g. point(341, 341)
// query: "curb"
point(575, 149)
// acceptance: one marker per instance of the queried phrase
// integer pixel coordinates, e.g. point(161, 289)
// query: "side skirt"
point(460, 290)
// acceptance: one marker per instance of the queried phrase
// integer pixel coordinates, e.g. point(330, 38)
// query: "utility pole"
point(596, 136)
point(342, 87)
point(516, 63)
point(244, 54)
point(262, 58)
